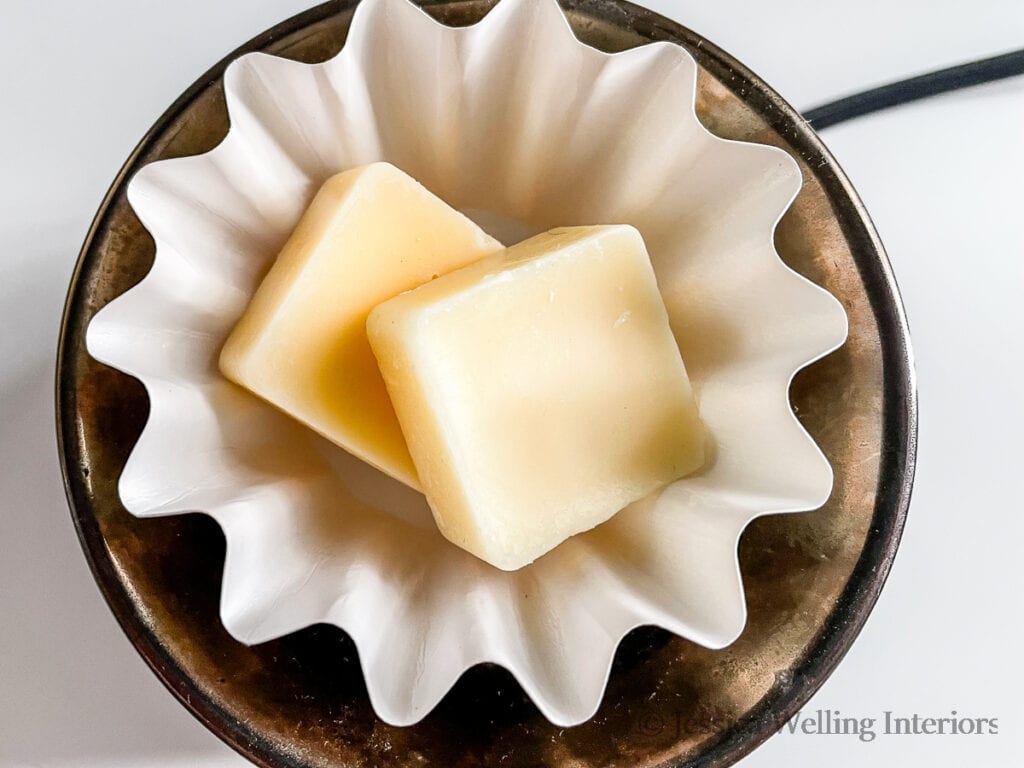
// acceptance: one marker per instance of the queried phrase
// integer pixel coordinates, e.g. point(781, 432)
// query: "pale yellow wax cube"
point(370, 233)
point(540, 390)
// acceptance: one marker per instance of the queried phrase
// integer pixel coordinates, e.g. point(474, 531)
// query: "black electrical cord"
point(915, 88)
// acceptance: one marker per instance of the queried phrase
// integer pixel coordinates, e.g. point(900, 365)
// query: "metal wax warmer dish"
point(810, 579)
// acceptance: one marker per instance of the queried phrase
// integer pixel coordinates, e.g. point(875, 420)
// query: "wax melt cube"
point(540, 390)
point(370, 233)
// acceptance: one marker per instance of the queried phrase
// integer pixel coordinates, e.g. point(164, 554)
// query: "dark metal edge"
point(900, 415)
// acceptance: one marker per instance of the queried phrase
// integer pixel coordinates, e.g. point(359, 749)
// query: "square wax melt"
point(540, 390)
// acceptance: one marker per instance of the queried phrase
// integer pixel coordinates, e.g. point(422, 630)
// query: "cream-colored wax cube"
point(540, 390)
point(370, 233)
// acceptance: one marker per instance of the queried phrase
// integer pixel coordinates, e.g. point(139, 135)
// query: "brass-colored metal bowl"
point(811, 579)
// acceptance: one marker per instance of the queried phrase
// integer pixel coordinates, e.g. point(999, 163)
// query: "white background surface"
point(942, 179)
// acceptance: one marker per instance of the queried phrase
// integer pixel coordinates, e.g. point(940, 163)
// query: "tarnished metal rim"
point(899, 441)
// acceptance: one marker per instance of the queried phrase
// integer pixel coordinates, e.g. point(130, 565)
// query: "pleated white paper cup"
point(518, 123)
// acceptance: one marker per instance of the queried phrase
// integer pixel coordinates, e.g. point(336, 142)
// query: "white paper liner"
point(514, 119)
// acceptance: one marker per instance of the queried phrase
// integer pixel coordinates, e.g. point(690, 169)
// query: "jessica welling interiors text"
point(827, 722)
